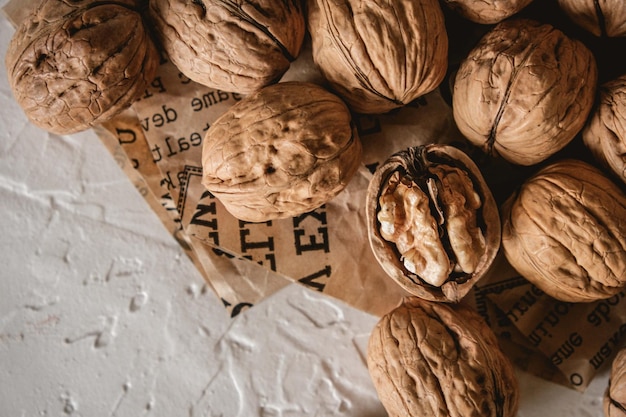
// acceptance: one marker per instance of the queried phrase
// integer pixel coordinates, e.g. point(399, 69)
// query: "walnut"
point(615, 396)
point(565, 231)
point(436, 359)
point(285, 150)
point(487, 11)
point(73, 65)
point(379, 56)
point(433, 223)
point(603, 18)
point(605, 131)
point(237, 46)
point(524, 91)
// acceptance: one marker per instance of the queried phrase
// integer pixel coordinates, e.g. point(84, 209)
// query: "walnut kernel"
point(433, 223)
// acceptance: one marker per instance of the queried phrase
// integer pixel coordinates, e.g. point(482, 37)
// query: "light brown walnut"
point(605, 131)
point(285, 150)
point(433, 223)
point(441, 360)
point(487, 11)
point(73, 65)
point(564, 230)
point(524, 91)
point(614, 403)
point(231, 45)
point(603, 18)
point(379, 56)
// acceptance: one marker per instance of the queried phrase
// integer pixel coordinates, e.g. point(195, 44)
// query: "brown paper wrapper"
point(158, 144)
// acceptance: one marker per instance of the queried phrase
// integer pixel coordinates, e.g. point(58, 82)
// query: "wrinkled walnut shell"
point(285, 150)
point(525, 91)
point(487, 11)
point(379, 56)
point(73, 65)
point(435, 359)
point(433, 223)
point(230, 45)
point(614, 404)
point(605, 131)
point(603, 18)
point(565, 231)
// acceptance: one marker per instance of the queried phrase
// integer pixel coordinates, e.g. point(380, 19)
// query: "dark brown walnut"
point(614, 404)
point(432, 221)
point(565, 231)
point(605, 18)
point(285, 150)
point(441, 360)
point(231, 45)
point(379, 56)
point(487, 11)
point(605, 131)
point(73, 65)
point(524, 91)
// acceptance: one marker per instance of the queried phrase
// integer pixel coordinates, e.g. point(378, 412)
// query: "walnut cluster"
point(523, 93)
point(73, 65)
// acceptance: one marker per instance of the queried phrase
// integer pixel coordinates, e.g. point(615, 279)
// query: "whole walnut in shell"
point(379, 56)
point(237, 46)
point(435, 359)
point(73, 65)
point(614, 404)
point(605, 18)
point(565, 231)
point(432, 221)
point(605, 131)
point(285, 150)
point(487, 11)
point(524, 91)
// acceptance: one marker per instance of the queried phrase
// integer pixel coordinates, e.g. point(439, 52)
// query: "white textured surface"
point(101, 314)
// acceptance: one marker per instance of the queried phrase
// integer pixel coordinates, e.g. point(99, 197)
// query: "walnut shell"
point(565, 231)
point(605, 131)
point(379, 56)
point(433, 223)
point(285, 150)
point(614, 403)
point(233, 46)
point(73, 65)
point(440, 360)
point(487, 11)
point(605, 18)
point(524, 91)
